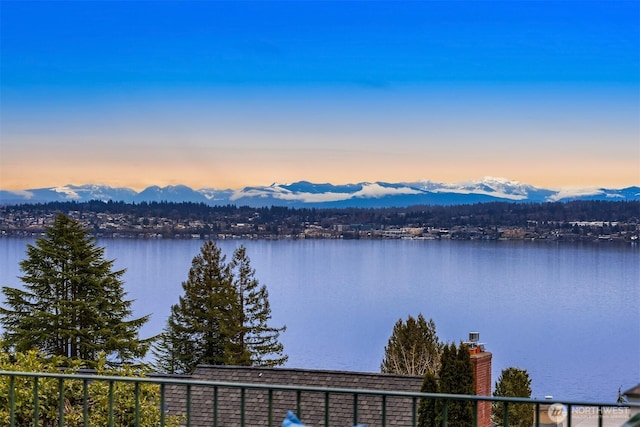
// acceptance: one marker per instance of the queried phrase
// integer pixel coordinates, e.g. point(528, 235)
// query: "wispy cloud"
point(567, 193)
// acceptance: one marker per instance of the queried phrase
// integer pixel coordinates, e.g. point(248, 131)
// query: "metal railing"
point(181, 395)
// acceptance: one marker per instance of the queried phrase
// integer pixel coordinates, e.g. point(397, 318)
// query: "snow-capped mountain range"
point(307, 194)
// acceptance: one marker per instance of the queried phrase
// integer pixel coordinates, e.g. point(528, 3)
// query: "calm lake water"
point(568, 314)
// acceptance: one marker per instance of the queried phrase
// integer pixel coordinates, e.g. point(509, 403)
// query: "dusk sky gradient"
point(229, 94)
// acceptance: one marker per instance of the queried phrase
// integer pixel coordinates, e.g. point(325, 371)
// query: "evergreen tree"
point(174, 347)
point(204, 327)
point(72, 304)
point(221, 319)
point(413, 348)
point(513, 382)
point(258, 338)
point(427, 415)
point(456, 377)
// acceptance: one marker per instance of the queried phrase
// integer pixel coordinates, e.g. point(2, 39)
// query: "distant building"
point(398, 410)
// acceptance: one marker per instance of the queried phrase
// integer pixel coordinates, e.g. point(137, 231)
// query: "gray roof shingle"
point(312, 404)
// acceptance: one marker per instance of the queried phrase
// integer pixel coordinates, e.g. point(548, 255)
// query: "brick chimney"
point(481, 361)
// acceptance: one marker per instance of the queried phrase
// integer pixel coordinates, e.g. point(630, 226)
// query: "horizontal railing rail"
point(8, 378)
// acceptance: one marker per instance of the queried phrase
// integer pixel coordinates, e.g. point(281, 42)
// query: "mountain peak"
point(326, 195)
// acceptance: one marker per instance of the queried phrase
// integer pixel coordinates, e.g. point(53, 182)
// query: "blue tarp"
point(292, 421)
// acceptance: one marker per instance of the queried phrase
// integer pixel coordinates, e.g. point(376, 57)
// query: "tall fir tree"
point(222, 318)
point(456, 377)
point(72, 303)
point(258, 338)
point(175, 351)
point(204, 327)
point(413, 348)
point(513, 382)
point(427, 415)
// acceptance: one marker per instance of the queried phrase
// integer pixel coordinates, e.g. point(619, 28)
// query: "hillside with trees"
point(571, 221)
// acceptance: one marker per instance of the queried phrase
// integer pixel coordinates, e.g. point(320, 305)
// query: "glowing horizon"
point(226, 95)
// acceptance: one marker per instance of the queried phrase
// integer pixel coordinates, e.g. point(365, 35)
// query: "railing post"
point(299, 404)
point(215, 406)
point(414, 404)
point(326, 409)
point(242, 406)
point(60, 402)
point(537, 414)
point(599, 416)
point(188, 405)
point(355, 408)
point(270, 397)
point(12, 401)
point(505, 415)
point(569, 410)
point(162, 404)
point(36, 403)
point(384, 410)
point(444, 413)
point(136, 392)
point(475, 413)
point(111, 417)
point(85, 402)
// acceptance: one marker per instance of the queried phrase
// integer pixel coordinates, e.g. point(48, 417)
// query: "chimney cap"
point(475, 346)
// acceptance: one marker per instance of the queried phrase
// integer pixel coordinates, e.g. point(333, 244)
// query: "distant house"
point(341, 406)
point(633, 396)
point(398, 410)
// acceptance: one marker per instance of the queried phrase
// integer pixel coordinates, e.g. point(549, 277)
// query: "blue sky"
point(227, 94)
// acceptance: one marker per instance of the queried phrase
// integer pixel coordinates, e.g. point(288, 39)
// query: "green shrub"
point(98, 395)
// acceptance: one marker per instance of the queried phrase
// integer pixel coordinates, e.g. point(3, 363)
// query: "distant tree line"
point(480, 214)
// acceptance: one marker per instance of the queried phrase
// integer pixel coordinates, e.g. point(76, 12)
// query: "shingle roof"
point(633, 392)
point(341, 406)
